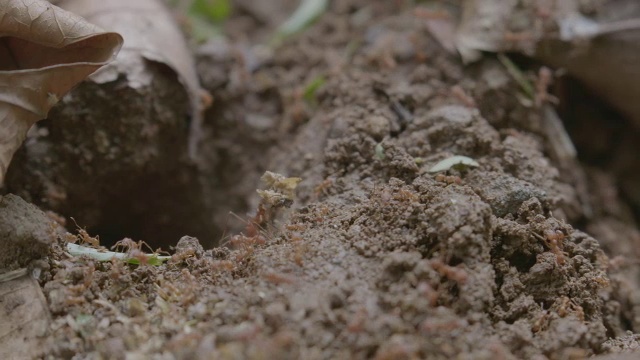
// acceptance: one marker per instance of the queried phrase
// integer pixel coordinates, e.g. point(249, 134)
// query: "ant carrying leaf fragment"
point(130, 251)
point(103, 255)
point(280, 193)
point(133, 255)
point(281, 189)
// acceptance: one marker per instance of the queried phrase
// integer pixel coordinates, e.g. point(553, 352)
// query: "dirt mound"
point(379, 257)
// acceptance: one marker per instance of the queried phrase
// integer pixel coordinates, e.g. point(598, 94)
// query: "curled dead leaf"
point(44, 52)
point(130, 117)
point(151, 35)
point(482, 27)
point(23, 328)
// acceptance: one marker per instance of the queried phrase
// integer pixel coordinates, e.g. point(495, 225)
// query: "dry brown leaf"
point(25, 321)
point(441, 21)
point(507, 25)
point(151, 34)
point(482, 27)
point(44, 52)
point(601, 51)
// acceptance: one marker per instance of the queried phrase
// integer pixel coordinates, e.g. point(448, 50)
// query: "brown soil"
point(525, 256)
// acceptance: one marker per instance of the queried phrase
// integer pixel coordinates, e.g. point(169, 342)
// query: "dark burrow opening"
point(605, 140)
point(131, 177)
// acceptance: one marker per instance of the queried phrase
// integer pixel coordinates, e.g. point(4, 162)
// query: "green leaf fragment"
point(454, 161)
point(379, 151)
point(100, 255)
point(202, 30)
point(204, 18)
point(517, 75)
point(311, 89)
point(212, 10)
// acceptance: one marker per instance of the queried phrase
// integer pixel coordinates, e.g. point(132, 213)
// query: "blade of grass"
point(517, 75)
point(311, 89)
point(302, 17)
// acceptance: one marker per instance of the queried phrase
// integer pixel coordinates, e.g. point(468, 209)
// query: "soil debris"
point(376, 257)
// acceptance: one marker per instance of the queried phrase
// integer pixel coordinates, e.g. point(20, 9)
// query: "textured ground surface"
point(524, 256)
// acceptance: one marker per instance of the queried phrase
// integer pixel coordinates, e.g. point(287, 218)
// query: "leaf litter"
point(50, 52)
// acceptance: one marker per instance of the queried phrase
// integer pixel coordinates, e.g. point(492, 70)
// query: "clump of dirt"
point(378, 257)
point(26, 233)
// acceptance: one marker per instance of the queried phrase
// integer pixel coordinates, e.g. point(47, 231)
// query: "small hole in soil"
point(158, 209)
point(602, 136)
point(455, 261)
point(522, 262)
point(595, 128)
